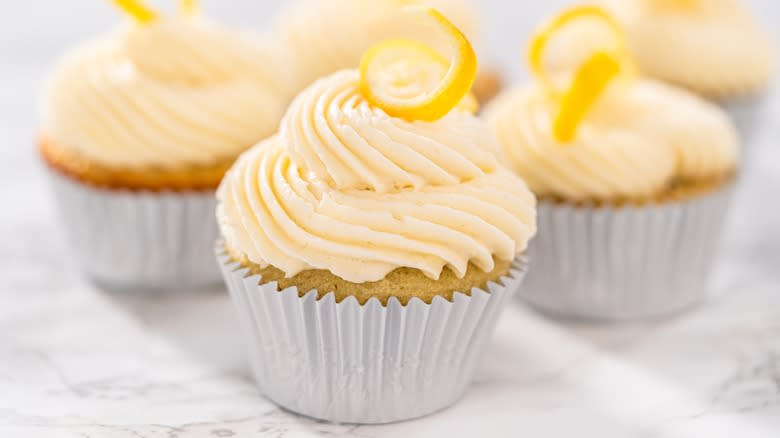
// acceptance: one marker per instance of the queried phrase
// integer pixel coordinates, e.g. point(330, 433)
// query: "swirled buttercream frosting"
point(347, 188)
point(640, 139)
point(173, 93)
point(713, 47)
point(324, 36)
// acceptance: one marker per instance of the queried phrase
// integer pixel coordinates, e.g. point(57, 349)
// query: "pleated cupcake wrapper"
point(351, 363)
point(747, 113)
point(139, 239)
point(624, 263)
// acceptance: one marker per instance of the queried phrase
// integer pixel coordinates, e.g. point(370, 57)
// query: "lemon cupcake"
point(324, 36)
point(139, 128)
point(371, 244)
point(712, 47)
point(633, 176)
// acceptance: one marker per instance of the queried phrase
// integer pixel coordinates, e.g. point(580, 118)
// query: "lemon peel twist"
point(404, 77)
point(590, 79)
point(588, 84)
point(137, 9)
point(141, 13)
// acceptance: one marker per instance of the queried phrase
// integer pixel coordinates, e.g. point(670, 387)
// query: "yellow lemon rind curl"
point(450, 92)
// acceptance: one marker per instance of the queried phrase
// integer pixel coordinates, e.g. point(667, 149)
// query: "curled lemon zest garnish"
point(137, 9)
point(588, 84)
point(188, 7)
point(590, 79)
point(548, 30)
point(392, 76)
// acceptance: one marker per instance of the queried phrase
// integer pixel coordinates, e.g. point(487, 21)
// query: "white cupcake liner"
point(351, 363)
point(139, 239)
point(747, 113)
point(624, 263)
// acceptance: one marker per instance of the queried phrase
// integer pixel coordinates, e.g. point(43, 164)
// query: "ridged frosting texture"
point(346, 188)
point(715, 48)
point(324, 36)
point(639, 139)
point(173, 93)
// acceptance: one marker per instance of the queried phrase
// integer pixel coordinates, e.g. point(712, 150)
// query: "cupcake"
point(324, 36)
point(139, 128)
point(369, 255)
point(714, 48)
point(633, 178)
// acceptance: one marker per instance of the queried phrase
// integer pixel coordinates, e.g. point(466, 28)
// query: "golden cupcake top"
point(380, 169)
point(164, 92)
point(601, 132)
point(714, 47)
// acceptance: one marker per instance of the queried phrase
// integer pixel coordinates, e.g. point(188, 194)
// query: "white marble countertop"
point(79, 362)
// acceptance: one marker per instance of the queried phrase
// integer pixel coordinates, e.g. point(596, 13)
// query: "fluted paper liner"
point(624, 263)
point(144, 239)
point(351, 363)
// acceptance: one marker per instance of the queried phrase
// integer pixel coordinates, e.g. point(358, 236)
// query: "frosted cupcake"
point(368, 254)
point(324, 36)
point(712, 47)
point(139, 128)
point(633, 178)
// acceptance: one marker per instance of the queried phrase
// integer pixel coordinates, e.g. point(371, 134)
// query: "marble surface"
point(76, 361)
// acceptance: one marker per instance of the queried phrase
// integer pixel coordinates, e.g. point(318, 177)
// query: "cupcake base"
point(348, 362)
point(127, 239)
point(187, 178)
point(402, 283)
point(620, 263)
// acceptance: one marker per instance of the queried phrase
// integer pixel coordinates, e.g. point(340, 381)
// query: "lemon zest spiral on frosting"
point(144, 14)
point(588, 84)
point(388, 88)
point(138, 10)
point(590, 79)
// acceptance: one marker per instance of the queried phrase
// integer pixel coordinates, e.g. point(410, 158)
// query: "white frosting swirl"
point(172, 93)
point(639, 139)
point(347, 188)
point(324, 36)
